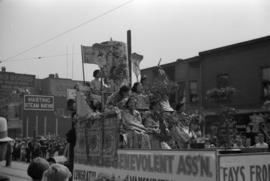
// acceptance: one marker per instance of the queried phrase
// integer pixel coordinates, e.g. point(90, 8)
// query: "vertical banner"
point(97, 141)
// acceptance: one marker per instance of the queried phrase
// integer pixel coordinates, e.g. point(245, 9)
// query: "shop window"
point(222, 80)
point(266, 83)
point(193, 92)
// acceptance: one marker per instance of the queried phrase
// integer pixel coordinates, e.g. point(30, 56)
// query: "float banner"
point(38, 102)
point(245, 167)
point(148, 165)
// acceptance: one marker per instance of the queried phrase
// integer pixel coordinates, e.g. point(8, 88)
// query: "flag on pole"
point(136, 60)
point(102, 51)
point(96, 54)
point(88, 54)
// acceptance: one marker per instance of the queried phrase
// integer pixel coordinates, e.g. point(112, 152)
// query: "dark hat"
point(57, 172)
point(37, 167)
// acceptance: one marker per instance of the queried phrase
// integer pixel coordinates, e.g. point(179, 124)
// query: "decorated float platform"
point(100, 156)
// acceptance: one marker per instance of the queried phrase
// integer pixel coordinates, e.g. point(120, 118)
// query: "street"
point(17, 171)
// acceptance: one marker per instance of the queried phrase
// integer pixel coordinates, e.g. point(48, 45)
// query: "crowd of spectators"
point(26, 149)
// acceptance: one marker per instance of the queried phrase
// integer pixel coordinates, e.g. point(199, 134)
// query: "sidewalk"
point(17, 171)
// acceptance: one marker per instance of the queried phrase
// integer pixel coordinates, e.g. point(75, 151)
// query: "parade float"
point(100, 155)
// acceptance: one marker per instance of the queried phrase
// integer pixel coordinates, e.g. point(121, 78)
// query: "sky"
point(167, 29)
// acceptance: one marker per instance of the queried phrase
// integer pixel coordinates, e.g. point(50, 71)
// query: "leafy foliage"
point(220, 94)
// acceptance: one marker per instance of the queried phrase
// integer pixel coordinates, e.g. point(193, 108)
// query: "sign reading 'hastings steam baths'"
point(38, 102)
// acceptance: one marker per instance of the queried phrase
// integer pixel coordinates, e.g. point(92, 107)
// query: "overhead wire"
point(69, 30)
point(41, 57)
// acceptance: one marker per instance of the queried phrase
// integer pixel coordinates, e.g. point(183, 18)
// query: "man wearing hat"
point(4, 141)
point(56, 172)
point(37, 167)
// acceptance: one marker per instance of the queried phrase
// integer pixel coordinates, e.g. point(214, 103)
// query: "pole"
point(56, 126)
point(66, 61)
point(72, 61)
point(45, 125)
point(36, 126)
point(27, 124)
point(101, 89)
point(83, 64)
point(129, 55)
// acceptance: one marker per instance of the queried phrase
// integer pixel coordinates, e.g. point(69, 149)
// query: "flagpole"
point(129, 55)
point(101, 89)
point(83, 64)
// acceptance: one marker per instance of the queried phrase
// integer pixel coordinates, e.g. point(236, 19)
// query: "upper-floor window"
point(266, 83)
point(193, 91)
point(181, 92)
point(222, 80)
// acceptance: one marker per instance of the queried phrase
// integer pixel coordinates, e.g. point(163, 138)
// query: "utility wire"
point(67, 31)
point(40, 57)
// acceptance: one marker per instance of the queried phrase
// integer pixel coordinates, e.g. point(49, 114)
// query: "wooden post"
point(56, 126)
point(129, 55)
point(45, 125)
point(27, 126)
point(83, 65)
point(101, 90)
point(36, 126)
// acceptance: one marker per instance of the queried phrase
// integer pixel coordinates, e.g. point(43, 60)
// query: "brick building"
point(244, 66)
point(14, 86)
point(56, 122)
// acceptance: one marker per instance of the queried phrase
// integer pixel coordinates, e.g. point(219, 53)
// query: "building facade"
point(21, 122)
point(244, 66)
point(44, 122)
point(12, 88)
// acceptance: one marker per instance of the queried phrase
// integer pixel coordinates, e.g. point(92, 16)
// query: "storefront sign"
point(38, 102)
point(148, 165)
point(245, 167)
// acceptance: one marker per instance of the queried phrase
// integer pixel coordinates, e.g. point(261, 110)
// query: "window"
point(60, 112)
point(13, 111)
point(222, 80)
point(266, 83)
point(193, 91)
point(181, 91)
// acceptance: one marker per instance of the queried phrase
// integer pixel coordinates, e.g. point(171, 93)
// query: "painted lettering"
point(194, 165)
point(146, 163)
point(233, 173)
